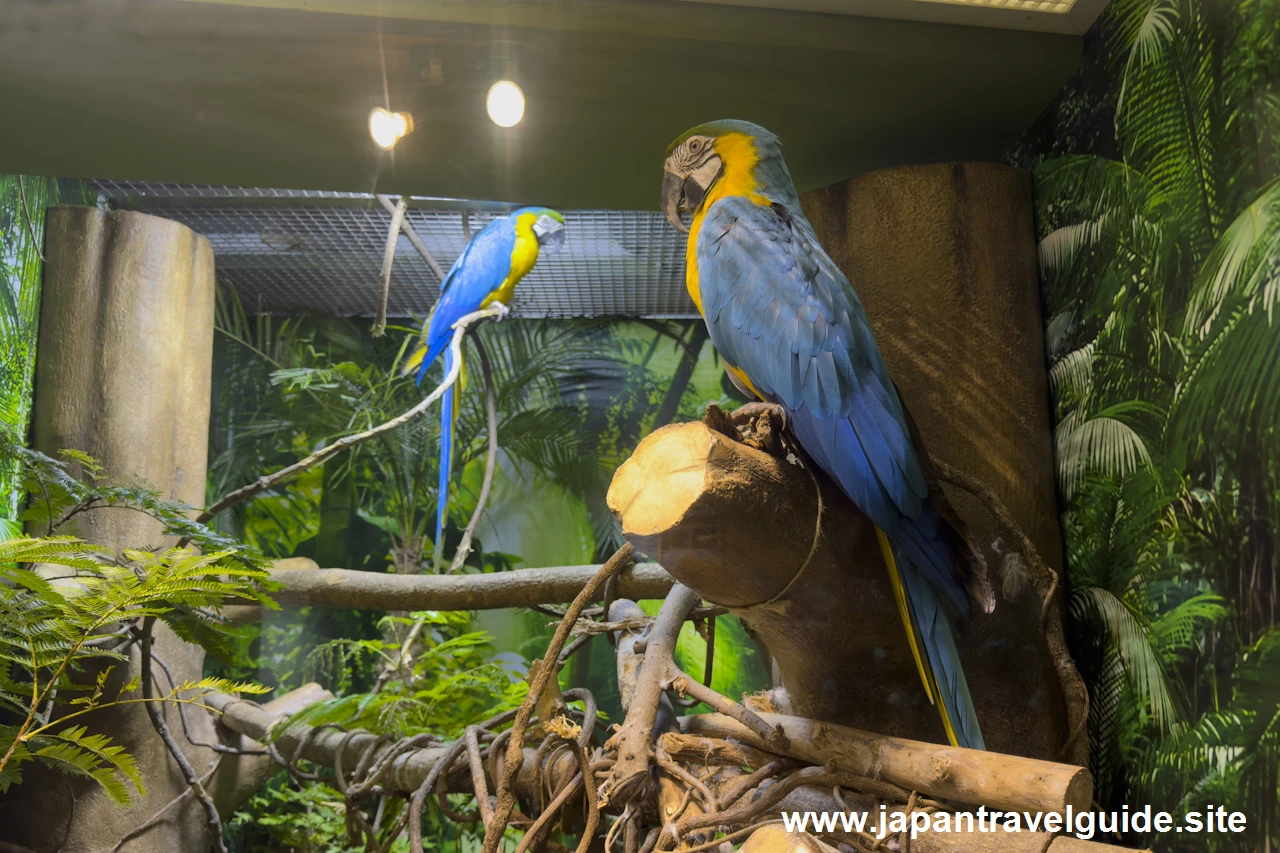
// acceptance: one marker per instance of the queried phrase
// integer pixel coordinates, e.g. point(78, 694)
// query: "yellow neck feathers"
point(738, 155)
point(523, 256)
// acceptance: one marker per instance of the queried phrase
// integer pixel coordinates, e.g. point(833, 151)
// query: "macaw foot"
point(504, 310)
point(757, 425)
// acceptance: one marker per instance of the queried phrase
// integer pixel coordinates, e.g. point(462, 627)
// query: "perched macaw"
point(792, 332)
point(487, 270)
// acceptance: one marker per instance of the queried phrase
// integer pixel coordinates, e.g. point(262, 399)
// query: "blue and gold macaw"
point(792, 332)
point(487, 271)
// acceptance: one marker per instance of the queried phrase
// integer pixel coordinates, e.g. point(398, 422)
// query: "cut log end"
point(653, 491)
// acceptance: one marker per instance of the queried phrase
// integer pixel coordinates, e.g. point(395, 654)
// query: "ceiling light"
point(505, 103)
point(388, 128)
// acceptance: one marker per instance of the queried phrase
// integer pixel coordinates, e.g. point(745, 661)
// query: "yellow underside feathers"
point(913, 637)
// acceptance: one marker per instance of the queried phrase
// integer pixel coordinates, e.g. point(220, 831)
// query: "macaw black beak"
point(673, 198)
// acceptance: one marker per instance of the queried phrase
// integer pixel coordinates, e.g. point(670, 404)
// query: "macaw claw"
point(757, 425)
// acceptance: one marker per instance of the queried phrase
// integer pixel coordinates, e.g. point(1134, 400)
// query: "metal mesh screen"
point(286, 250)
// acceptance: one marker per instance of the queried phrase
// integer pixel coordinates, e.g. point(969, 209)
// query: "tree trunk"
point(126, 345)
point(944, 260)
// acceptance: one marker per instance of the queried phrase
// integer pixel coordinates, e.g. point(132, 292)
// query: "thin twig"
point(389, 258)
point(479, 786)
point(709, 669)
point(545, 672)
point(186, 724)
point(592, 798)
point(490, 463)
point(155, 711)
point(414, 239)
point(731, 837)
point(1073, 686)
point(578, 642)
point(155, 818)
point(494, 309)
point(686, 686)
point(26, 212)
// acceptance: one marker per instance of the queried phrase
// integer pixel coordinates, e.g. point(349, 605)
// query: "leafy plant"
point(1159, 221)
point(69, 612)
point(56, 629)
point(449, 682)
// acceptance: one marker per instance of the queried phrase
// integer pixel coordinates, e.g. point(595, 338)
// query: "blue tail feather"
point(446, 452)
point(944, 659)
point(926, 562)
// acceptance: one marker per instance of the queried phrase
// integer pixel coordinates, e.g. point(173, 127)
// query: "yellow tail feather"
point(414, 361)
point(913, 637)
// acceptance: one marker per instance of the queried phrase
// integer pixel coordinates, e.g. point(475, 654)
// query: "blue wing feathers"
point(778, 309)
point(480, 270)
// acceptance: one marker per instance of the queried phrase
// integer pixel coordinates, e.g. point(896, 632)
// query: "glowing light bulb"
point(387, 128)
point(505, 103)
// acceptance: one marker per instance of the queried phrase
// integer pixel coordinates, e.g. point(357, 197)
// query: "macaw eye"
point(694, 145)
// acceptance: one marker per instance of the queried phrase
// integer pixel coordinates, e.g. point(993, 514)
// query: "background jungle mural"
point(22, 205)
point(1158, 211)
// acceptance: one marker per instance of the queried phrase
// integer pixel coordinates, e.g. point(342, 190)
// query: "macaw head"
point(548, 227)
point(703, 156)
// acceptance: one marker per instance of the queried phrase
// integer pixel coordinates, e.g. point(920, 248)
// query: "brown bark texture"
point(123, 374)
point(345, 588)
point(943, 258)
point(970, 776)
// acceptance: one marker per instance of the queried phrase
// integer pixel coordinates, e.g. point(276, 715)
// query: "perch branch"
point(412, 233)
point(490, 462)
point(350, 589)
point(946, 772)
point(544, 673)
point(266, 481)
point(388, 258)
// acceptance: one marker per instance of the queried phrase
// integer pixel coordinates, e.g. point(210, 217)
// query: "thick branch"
point(406, 772)
point(731, 514)
point(964, 775)
point(635, 745)
point(348, 589)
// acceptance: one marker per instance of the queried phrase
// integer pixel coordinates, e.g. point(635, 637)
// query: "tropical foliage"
point(1158, 209)
point(69, 614)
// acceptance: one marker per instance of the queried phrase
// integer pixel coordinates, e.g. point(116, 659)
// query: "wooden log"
point(791, 557)
point(234, 782)
point(1004, 782)
point(405, 774)
point(347, 589)
point(783, 549)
